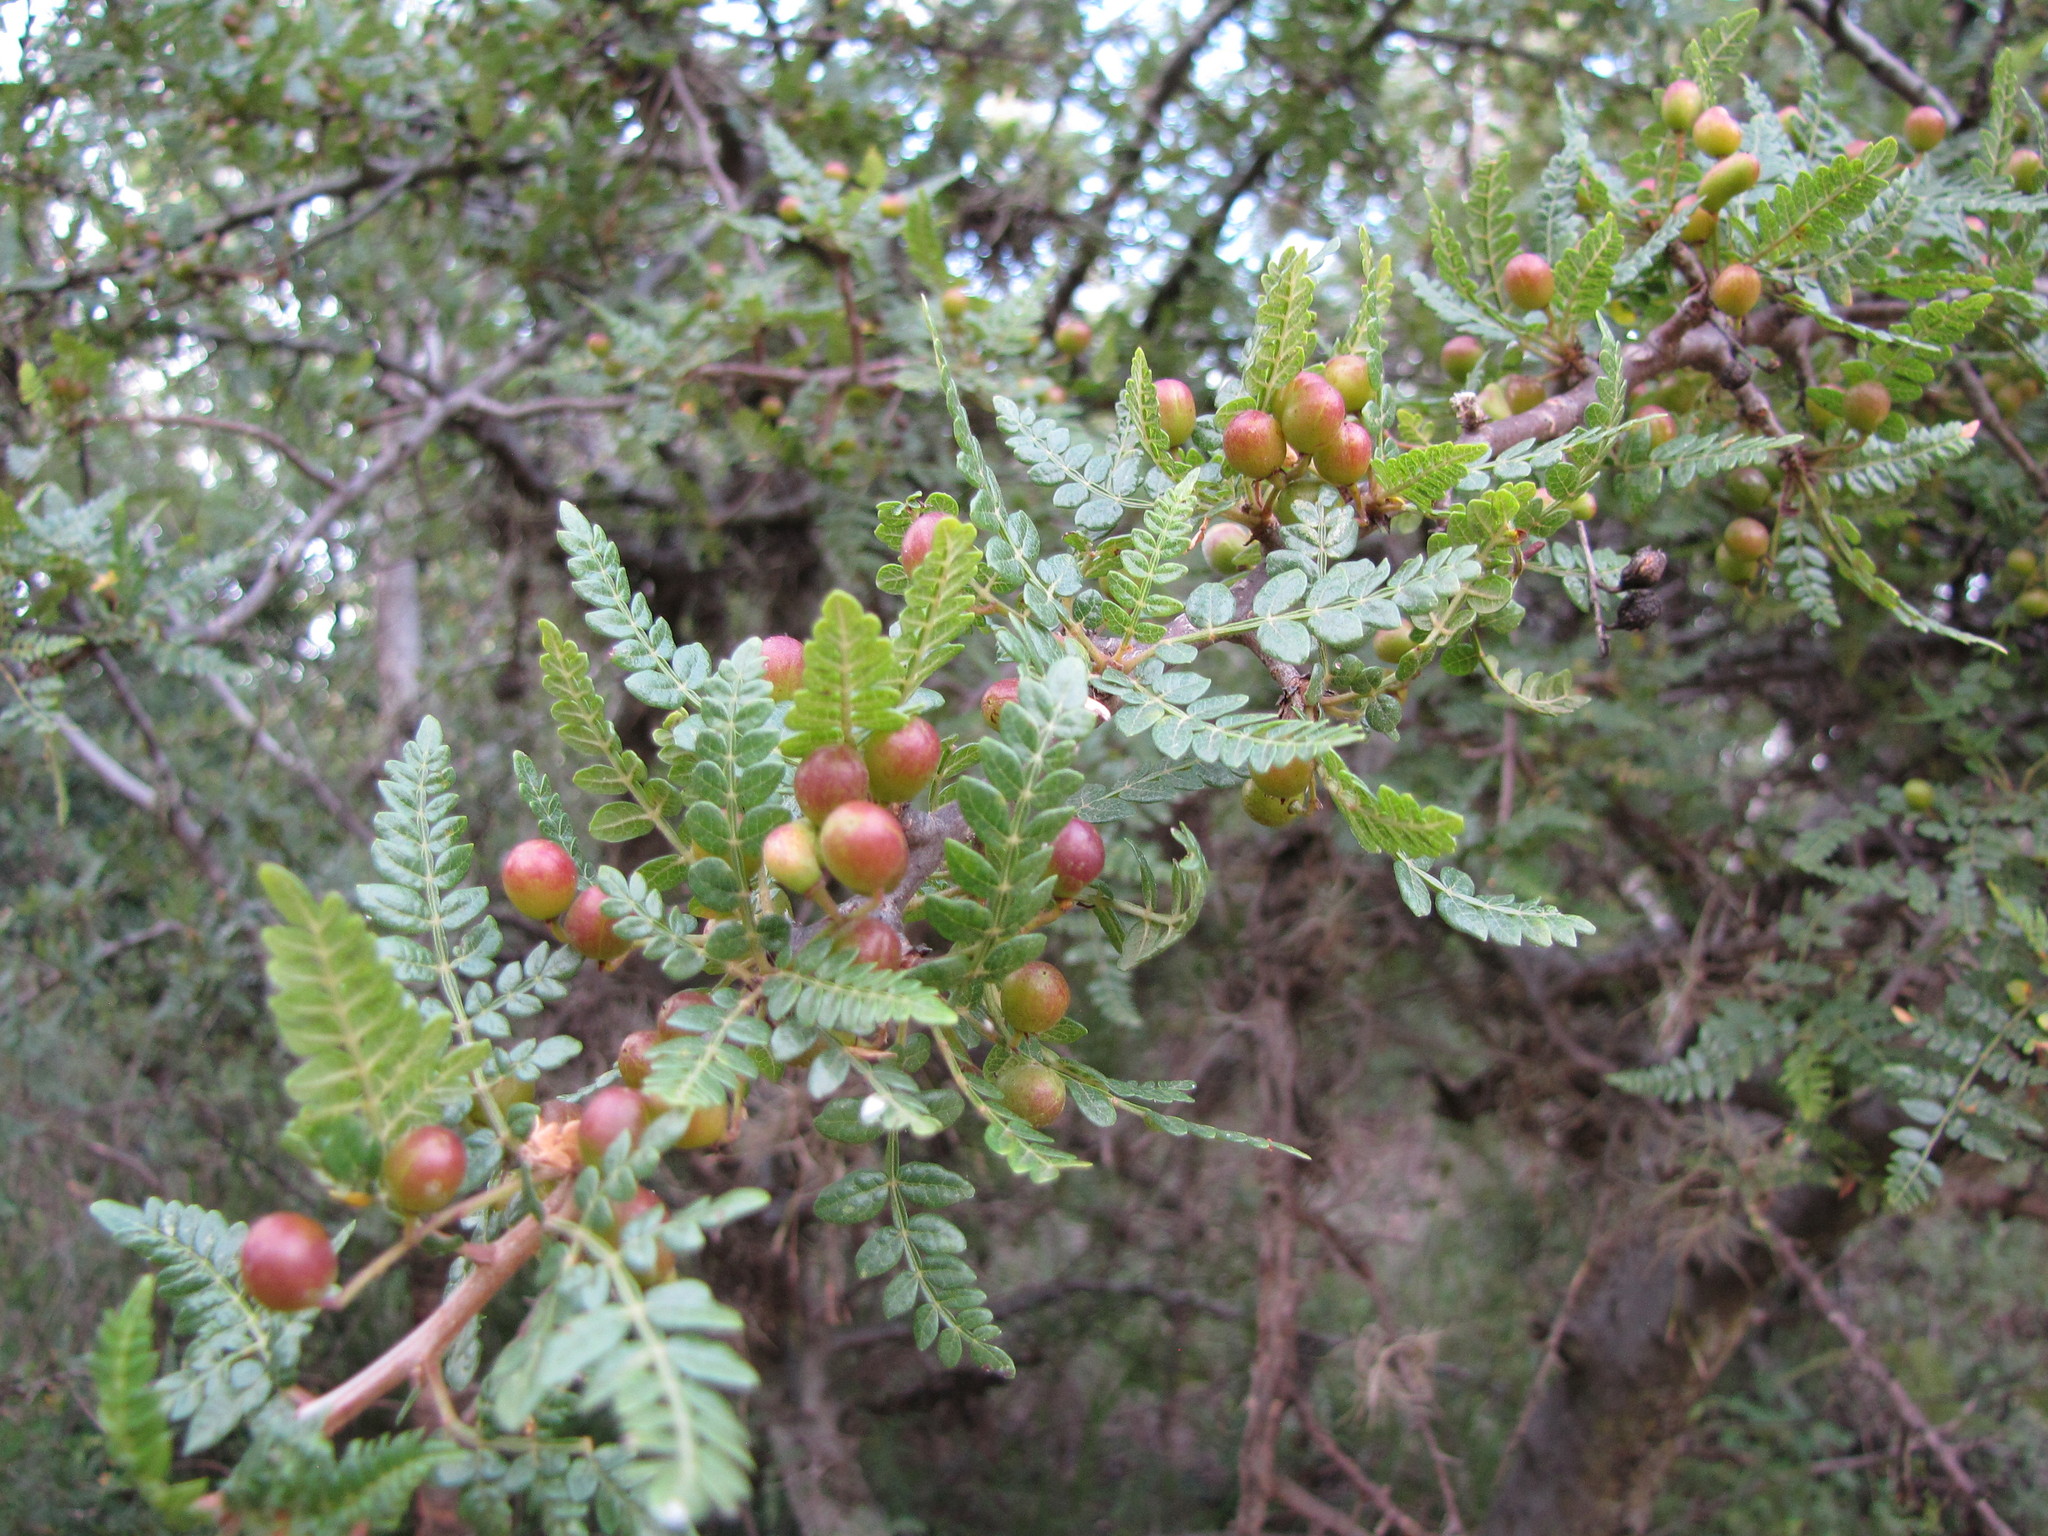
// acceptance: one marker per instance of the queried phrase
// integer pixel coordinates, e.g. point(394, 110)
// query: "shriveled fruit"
point(2024, 168)
point(1347, 460)
point(864, 847)
point(1659, 424)
point(1750, 489)
point(1253, 444)
point(1919, 795)
point(1311, 413)
point(1176, 409)
point(424, 1169)
point(1229, 547)
point(1267, 810)
point(876, 943)
point(1924, 128)
point(1390, 645)
point(1077, 856)
point(1035, 1094)
point(953, 303)
point(1865, 405)
point(589, 932)
point(1733, 567)
point(1351, 376)
point(828, 778)
point(919, 537)
point(539, 878)
point(1035, 997)
point(1683, 101)
point(1738, 288)
point(1523, 393)
point(997, 697)
point(1460, 356)
point(901, 763)
point(287, 1261)
point(782, 663)
point(1071, 336)
point(1717, 133)
point(607, 1115)
point(707, 1128)
point(790, 855)
point(1528, 281)
point(1747, 539)
point(1727, 180)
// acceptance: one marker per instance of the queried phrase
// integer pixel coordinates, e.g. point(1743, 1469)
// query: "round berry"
point(2025, 170)
point(1528, 281)
point(1738, 288)
point(1919, 795)
point(1267, 810)
point(835, 170)
point(1285, 781)
point(1347, 460)
point(1077, 856)
point(539, 878)
point(1855, 147)
point(1460, 356)
point(634, 1063)
point(1523, 393)
point(789, 210)
point(954, 302)
point(893, 205)
point(1176, 410)
point(828, 778)
point(589, 932)
point(1662, 426)
point(1699, 224)
point(2021, 562)
point(1683, 101)
point(782, 663)
point(1924, 128)
point(1727, 180)
point(919, 537)
point(607, 1115)
point(1746, 539)
point(1311, 413)
point(600, 345)
point(1071, 336)
point(424, 1169)
point(1733, 567)
point(504, 1092)
point(707, 1128)
point(1253, 444)
point(1750, 489)
point(997, 697)
point(287, 1261)
point(1717, 133)
point(1035, 1094)
point(1229, 548)
point(674, 1004)
point(864, 847)
point(1390, 645)
point(2034, 602)
point(1035, 997)
point(1865, 405)
point(876, 943)
point(790, 855)
point(901, 763)
point(770, 406)
point(1351, 376)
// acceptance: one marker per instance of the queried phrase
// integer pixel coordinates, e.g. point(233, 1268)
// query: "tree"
point(1795, 327)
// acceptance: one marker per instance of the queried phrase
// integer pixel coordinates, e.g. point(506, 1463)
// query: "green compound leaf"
point(827, 987)
point(1494, 917)
point(659, 672)
point(131, 1416)
point(852, 680)
point(938, 604)
point(1585, 273)
point(1390, 821)
point(1284, 328)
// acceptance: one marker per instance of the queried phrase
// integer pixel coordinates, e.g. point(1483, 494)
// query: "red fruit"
point(1865, 405)
point(1253, 444)
point(1460, 356)
point(1522, 392)
point(1228, 548)
point(864, 847)
point(1176, 410)
point(1071, 336)
point(1746, 539)
point(997, 697)
point(1311, 412)
point(589, 931)
point(1528, 281)
point(1717, 133)
point(424, 1170)
point(1855, 147)
point(1662, 426)
point(1077, 856)
point(1924, 128)
point(1737, 289)
point(876, 943)
point(1351, 376)
point(1035, 997)
point(607, 1115)
point(1681, 106)
point(789, 210)
point(902, 763)
point(1035, 1094)
point(287, 1261)
point(782, 663)
point(835, 170)
point(918, 537)
point(539, 878)
point(1345, 461)
point(1284, 781)
point(634, 1063)
point(828, 778)
point(790, 855)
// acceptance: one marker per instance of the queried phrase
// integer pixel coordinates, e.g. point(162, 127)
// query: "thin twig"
point(289, 760)
point(276, 441)
point(1885, 67)
point(1987, 410)
point(1592, 588)
point(1381, 1498)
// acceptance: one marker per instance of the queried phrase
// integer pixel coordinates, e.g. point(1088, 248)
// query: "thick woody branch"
point(1886, 67)
point(926, 832)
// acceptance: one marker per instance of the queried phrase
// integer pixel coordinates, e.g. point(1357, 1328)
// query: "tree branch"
point(1987, 410)
point(273, 440)
point(289, 760)
point(170, 792)
point(1326, 1443)
point(1886, 67)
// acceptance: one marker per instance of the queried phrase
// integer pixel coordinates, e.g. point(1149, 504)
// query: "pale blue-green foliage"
point(658, 671)
point(293, 1469)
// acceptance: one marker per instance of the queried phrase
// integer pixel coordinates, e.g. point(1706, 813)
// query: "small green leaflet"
point(1390, 821)
point(1497, 918)
point(852, 685)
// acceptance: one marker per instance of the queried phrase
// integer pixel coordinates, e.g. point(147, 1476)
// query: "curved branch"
point(1886, 67)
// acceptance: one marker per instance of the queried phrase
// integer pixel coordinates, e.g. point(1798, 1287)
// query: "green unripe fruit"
point(589, 932)
point(1737, 289)
point(1285, 781)
point(1071, 336)
point(707, 1128)
point(790, 855)
point(1661, 426)
point(1267, 810)
point(770, 406)
point(1311, 413)
point(1522, 393)
point(1717, 133)
point(1077, 856)
point(1924, 128)
point(1035, 1094)
point(2026, 171)
point(1699, 224)
point(600, 345)
point(1460, 356)
point(1390, 645)
point(1035, 997)
point(1733, 567)
point(424, 1169)
point(1865, 405)
point(1229, 548)
point(901, 763)
point(607, 1115)
point(2021, 562)
point(1727, 180)
point(504, 1092)
point(1682, 104)
point(1347, 460)
point(1746, 539)
point(287, 1261)
point(893, 206)
point(1583, 507)
point(1176, 410)
point(2034, 602)
point(782, 663)
point(1253, 444)
point(876, 943)
point(539, 878)
point(1351, 377)
point(828, 778)
point(835, 170)
point(1750, 489)
point(864, 847)
point(1528, 281)
point(953, 303)
point(789, 210)
point(1919, 795)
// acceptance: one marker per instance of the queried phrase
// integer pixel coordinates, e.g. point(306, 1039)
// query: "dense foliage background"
point(304, 289)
